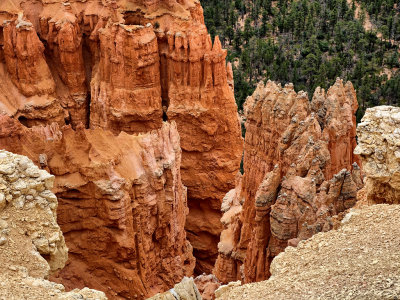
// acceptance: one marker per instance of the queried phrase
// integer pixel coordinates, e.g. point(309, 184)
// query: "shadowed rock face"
point(121, 67)
point(297, 175)
point(378, 146)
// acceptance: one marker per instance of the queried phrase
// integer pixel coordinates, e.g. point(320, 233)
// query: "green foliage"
point(310, 43)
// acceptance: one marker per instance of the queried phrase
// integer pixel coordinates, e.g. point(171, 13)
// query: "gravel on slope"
point(360, 260)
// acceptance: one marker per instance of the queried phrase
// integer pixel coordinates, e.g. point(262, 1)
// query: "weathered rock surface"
point(31, 242)
point(297, 176)
point(360, 260)
point(379, 148)
point(125, 66)
point(122, 205)
point(207, 285)
point(185, 290)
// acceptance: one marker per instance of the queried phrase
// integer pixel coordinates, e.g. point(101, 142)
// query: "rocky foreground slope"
point(31, 243)
point(127, 66)
point(360, 260)
point(299, 174)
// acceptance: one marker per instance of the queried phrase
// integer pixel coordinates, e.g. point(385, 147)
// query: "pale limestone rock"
point(227, 287)
point(185, 290)
point(359, 260)
point(379, 149)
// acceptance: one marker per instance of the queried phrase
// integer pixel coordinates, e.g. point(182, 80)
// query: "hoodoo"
point(128, 106)
point(299, 172)
point(86, 88)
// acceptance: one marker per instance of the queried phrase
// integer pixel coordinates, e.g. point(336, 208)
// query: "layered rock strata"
point(31, 243)
point(360, 260)
point(122, 205)
point(127, 66)
point(379, 149)
point(298, 175)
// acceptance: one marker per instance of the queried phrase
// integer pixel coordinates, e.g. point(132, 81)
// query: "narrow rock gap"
point(191, 232)
point(23, 120)
point(164, 81)
point(89, 63)
point(1, 45)
point(134, 18)
point(88, 101)
point(165, 104)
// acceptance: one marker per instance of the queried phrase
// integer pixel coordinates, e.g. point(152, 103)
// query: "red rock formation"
point(124, 66)
point(126, 89)
point(122, 206)
point(25, 61)
point(31, 242)
point(25, 70)
point(64, 39)
point(289, 190)
point(207, 285)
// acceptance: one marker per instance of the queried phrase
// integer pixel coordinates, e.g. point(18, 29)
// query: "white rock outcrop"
point(379, 149)
point(184, 290)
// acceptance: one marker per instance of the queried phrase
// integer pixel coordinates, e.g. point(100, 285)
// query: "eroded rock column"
point(298, 175)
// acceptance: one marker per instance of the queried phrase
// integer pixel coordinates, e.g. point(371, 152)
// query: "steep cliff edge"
point(122, 205)
point(378, 147)
point(298, 175)
point(360, 260)
point(31, 243)
point(125, 66)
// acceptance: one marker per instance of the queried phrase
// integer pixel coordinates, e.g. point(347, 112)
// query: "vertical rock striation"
point(127, 66)
point(297, 176)
point(32, 245)
point(378, 147)
point(122, 205)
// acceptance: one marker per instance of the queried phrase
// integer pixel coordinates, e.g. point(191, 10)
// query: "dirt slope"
point(360, 260)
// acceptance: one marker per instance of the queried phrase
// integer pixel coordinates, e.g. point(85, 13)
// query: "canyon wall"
point(378, 147)
point(122, 205)
point(77, 79)
point(298, 175)
point(32, 245)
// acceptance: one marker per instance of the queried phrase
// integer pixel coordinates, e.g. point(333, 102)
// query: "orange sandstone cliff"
point(32, 245)
point(78, 80)
point(122, 205)
point(298, 174)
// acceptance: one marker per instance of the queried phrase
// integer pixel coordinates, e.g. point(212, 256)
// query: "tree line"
point(310, 43)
